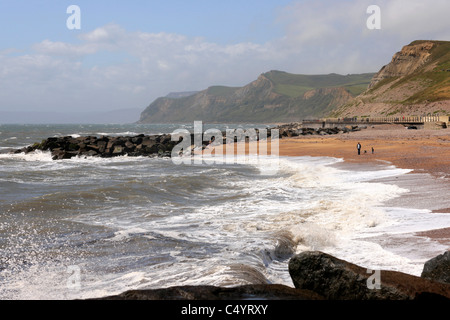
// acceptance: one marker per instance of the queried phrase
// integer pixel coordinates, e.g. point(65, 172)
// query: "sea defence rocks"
point(438, 268)
point(104, 146)
point(159, 145)
point(296, 129)
point(336, 279)
point(141, 145)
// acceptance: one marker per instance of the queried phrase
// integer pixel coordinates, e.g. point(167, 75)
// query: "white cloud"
point(319, 37)
point(51, 48)
point(411, 19)
point(161, 63)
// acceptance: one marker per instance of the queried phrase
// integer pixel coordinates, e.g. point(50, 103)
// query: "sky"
point(126, 54)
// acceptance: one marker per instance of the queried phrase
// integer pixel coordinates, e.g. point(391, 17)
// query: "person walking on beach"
point(358, 146)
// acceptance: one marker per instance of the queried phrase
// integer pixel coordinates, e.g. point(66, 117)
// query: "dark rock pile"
point(104, 146)
point(296, 129)
point(157, 145)
point(336, 279)
point(438, 268)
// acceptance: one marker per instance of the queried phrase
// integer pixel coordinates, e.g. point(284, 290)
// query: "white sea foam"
point(244, 227)
point(322, 207)
point(114, 134)
point(36, 156)
point(345, 220)
point(123, 235)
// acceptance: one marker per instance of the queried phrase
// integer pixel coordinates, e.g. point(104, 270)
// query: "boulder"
point(337, 279)
point(148, 142)
point(60, 154)
point(91, 153)
point(244, 292)
point(137, 140)
point(110, 144)
point(101, 146)
point(129, 146)
point(438, 268)
point(118, 150)
point(92, 147)
point(316, 276)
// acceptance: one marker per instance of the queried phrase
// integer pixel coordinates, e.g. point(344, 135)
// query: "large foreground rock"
point(438, 268)
point(337, 279)
point(247, 292)
point(316, 276)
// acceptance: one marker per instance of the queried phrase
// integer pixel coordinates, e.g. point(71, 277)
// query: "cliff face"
point(415, 82)
point(407, 61)
point(274, 97)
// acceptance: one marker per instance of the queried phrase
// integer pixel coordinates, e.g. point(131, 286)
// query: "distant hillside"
point(177, 95)
point(415, 82)
point(275, 96)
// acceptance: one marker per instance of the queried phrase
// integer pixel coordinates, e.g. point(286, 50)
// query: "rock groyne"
point(162, 145)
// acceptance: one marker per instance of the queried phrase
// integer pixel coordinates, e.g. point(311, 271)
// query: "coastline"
point(413, 150)
point(425, 152)
point(389, 152)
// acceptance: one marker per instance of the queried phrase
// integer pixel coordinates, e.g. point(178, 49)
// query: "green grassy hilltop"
point(275, 96)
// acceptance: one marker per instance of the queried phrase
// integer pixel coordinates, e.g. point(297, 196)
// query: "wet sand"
point(426, 151)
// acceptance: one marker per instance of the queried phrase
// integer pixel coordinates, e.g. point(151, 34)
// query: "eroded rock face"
point(404, 62)
point(438, 268)
point(413, 83)
point(337, 279)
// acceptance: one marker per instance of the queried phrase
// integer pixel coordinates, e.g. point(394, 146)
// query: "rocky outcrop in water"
point(297, 129)
point(155, 145)
point(106, 147)
point(337, 279)
point(438, 268)
point(69, 147)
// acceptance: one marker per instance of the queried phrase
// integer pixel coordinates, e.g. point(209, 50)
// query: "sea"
point(92, 227)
